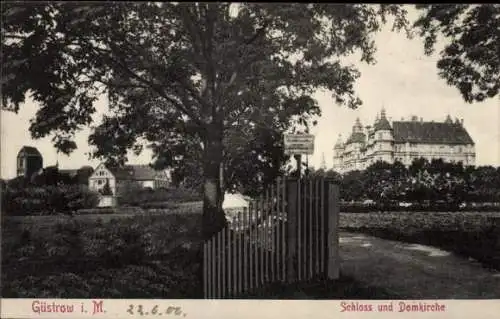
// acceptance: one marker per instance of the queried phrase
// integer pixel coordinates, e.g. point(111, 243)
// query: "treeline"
point(422, 182)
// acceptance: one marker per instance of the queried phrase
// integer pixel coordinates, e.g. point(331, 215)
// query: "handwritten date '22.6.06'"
point(155, 310)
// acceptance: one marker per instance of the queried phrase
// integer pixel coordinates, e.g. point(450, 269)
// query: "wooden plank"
point(317, 222)
point(214, 269)
point(265, 232)
point(283, 224)
point(251, 246)
point(322, 225)
point(205, 270)
point(245, 249)
point(310, 229)
point(333, 234)
point(261, 241)
point(291, 239)
point(223, 255)
point(274, 219)
point(255, 245)
point(239, 255)
point(219, 273)
point(299, 231)
point(230, 268)
point(235, 257)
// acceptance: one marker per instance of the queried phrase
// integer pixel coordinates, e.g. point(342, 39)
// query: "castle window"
point(20, 162)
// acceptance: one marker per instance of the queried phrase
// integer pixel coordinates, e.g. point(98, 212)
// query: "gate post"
point(291, 231)
point(332, 217)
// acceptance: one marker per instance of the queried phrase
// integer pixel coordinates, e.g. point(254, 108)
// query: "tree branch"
point(158, 90)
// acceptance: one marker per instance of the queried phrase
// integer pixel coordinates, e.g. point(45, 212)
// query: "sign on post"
point(298, 144)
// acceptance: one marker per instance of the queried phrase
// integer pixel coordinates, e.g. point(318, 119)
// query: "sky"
point(404, 81)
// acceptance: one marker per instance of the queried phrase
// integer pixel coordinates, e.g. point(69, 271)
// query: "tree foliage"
point(422, 181)
point(470, 59)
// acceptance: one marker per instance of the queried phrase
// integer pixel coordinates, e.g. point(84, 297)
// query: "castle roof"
point(356, 137)
point(134, 172)
point(431, 133)
point(382, 124)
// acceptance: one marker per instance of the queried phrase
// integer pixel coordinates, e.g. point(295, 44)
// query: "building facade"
point(403, 141)
point(29, 161)
point(142, 175)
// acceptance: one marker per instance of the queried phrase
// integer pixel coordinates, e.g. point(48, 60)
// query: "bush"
point(47, 200)
point(138, 257)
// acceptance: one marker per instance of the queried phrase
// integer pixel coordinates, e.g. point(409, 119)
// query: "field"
point(470, 234)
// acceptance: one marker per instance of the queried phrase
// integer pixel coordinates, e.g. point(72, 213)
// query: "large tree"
point(186, 77)
point(470, 59)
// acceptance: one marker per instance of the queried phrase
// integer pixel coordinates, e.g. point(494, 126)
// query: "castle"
point(403, 141)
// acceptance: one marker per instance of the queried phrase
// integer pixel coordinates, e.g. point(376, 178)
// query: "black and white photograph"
point(250, 150)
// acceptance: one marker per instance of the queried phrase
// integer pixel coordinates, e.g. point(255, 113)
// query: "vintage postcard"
point(182, 159)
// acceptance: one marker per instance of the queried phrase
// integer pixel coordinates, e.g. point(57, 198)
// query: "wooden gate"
point(289, 234)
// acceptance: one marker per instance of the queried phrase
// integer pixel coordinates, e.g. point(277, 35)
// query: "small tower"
point(323, 162)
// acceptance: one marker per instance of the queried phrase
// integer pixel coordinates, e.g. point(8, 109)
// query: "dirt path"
point(415, 271)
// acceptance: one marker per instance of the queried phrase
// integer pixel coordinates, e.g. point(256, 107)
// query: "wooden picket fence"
point(289, 234)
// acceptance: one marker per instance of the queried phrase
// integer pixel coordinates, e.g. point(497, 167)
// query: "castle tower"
point(384, 140)
point(338, 155)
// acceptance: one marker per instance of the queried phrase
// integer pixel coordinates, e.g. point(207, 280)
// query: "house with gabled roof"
point(404, 141)
point(143, 175)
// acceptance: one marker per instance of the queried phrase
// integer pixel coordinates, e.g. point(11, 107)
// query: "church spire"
point(448, 119)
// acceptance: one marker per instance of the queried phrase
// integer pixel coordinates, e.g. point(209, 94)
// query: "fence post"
point(291, 241)
point(332, 217)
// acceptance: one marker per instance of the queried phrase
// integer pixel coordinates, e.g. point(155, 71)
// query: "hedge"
point(47, 200)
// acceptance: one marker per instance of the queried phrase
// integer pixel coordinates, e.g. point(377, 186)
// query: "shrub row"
point(47, 200)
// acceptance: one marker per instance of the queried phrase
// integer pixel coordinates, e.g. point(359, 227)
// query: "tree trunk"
point(213, 216)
